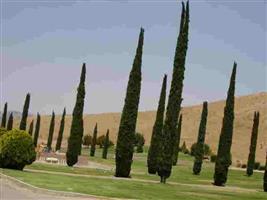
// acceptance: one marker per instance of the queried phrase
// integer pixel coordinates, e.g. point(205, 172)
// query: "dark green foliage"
point(23, 122)
point(76, 131)
point(156, 138)
point(177, 142)
point(207, 150)
point(87, 140)
point(3, 131)
point(51, 132)
point(175, 97)
point(93, 145)
point(253, 144)
point(265, 177)
point(31, 128)
point(37, 130)
point(106, 145)
point(4, 116)
point(199, 153)
point(16, 149)
point(223, 160)
point(139, 142)
point(261, 167)
point(10, 122)
point(101, 140)
point(256, 165)
point(61, 131)
point(125, 140)
point(213, 158)
point(244, 166)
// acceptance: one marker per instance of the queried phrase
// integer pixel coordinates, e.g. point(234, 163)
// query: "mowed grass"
point(181, 185)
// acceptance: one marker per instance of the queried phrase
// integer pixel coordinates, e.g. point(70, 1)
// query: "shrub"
point(100, 141)
point(139, 142)
point(3, 131)
point(244, 166)
point(207, 150)
point(87, 140)
point(261, 168)
point(257, 165)
point(16, 149)
point(213, 158)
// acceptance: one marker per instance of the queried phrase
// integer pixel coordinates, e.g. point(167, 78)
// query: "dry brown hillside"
point(244, 109)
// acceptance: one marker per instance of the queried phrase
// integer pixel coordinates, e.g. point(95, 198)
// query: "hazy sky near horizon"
point(44, 44)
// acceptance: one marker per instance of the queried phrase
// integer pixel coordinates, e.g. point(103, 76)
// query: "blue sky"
point(44, 44)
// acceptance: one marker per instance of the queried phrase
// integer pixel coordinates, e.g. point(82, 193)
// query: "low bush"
point(261, 168)
point(207, 150)
point(213, 158)
point(244, 166)
point(87, 140)
point(257, 165)
point(16, 149)
point(3, 131)
point(139, 142)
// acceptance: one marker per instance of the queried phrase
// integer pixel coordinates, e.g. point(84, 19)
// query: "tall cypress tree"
point(253, 144)
point(93, 144)
point(37, 130)
point(76, 131)
point(126, 134)
point(201, 140)
point(177, 142)
point(175, 97)
point(23, 122)
point(31, 128)
point(51, 132)
point(106, 146)
point(265, 176)
point(4, 116)
point(10, 122)
point(223, 160)
point(156, 138)
point(61, 130)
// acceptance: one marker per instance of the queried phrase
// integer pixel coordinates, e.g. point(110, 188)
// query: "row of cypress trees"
point(163, 152)
point(23, 124)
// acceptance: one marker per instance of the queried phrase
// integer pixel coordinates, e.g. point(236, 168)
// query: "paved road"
point(11, 191)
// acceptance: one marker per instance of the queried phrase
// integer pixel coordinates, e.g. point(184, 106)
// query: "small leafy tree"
point(100, 141)
point(87, 140)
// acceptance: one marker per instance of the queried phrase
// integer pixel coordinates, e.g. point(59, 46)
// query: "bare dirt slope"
point(244, 109)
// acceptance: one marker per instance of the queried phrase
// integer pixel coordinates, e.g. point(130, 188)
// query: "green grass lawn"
point(181, 184)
